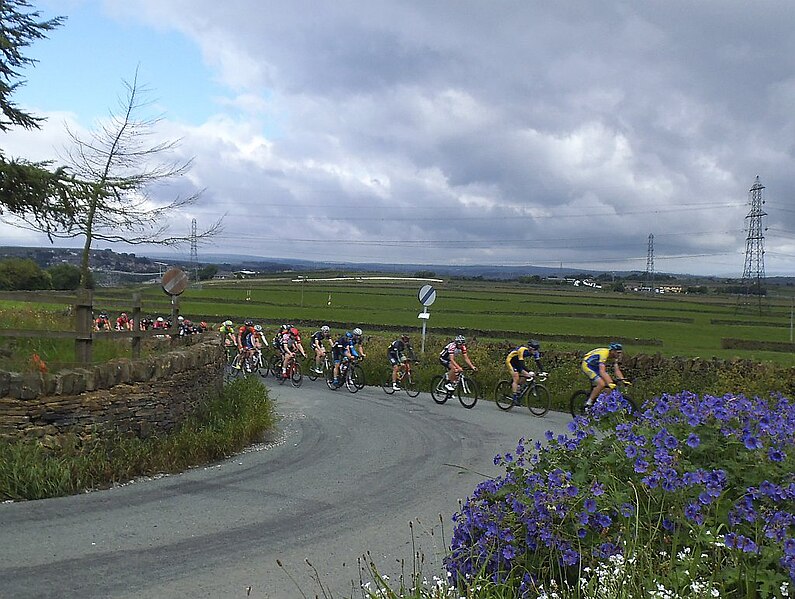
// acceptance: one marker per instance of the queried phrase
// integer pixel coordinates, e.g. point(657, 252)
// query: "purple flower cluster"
point(684, 466)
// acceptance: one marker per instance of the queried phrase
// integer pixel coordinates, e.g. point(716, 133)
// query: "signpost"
point(426, 295)
point(174, 282)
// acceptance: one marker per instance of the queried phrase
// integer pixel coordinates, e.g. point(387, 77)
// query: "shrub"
point(694, 497)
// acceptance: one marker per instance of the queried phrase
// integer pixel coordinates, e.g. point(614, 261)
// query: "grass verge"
point(228, 422)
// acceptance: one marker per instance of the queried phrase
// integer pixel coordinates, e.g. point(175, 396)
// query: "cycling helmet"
point(285, 327)
point(180, 318)
point(616, 347)
point(227, 323)
point(325, 329)
point(349, 335)
point(160, 319)
point(534, 344)
point(258, 328)
point(248, 322)
point(460, 340)
point(404, 336)
point(123, 314)
point(357, 331)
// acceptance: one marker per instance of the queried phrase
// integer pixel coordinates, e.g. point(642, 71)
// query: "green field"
point(564, 318)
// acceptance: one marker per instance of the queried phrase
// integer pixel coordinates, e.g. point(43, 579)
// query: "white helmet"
point(227, 323)
point(159, 319)
point(257, 328)
point(180, 318)
point(325, 328)
point(460, 340)
point(357, 331)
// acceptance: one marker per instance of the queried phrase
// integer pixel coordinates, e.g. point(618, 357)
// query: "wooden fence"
point(83, 313)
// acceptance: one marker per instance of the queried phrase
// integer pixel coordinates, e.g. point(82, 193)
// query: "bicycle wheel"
point(631, 407)
point(296, 377)
point(357, 373)
point(503, 395)
point(438, 392)
point(350, 380)
point(263, 369)
point(577, 403)
point(275, 365)
point(387, 384)
point(310, 369)
point(468, 392)
point(538, 399)
point(329, 376)
point(410, 385)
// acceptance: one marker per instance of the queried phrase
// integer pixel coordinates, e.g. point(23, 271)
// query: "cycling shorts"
point(445, 362)
point(337, 354)
point(394, 358)
point(591, 371)
point(516, 365)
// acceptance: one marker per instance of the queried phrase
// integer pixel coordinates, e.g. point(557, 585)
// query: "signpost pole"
point(424, 322)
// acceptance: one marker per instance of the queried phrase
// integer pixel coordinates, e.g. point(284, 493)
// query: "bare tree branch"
point(115, 166)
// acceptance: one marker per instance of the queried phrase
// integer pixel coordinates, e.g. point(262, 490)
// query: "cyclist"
point(594, 366)
point(358, 338)
point(318, 344)
point(447, 358)
point(344, 348)
point(290, 341)
point(245, 340)
point(516, 361)
point(399, 351)
point(102, 323)
point(227, 330)
point(259, 337)
point(123, 322)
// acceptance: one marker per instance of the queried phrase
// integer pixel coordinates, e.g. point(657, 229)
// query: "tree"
point(18, 274)
point(26, 188)
point(208, 272)
point(116, 168)
point(65, 277)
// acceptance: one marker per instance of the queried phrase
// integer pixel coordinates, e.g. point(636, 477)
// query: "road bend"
point(346, 475)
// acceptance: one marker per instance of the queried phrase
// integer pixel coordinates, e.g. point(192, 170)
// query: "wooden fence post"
point(136, 320)
point(84, 325)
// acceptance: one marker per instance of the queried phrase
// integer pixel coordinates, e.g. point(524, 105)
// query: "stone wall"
point(129, 397)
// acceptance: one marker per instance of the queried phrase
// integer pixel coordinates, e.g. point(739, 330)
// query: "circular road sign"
point(174, 281)
point(427, 295)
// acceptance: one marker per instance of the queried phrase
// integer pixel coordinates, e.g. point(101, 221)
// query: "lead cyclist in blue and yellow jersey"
point(517, 360)
point(594, 366)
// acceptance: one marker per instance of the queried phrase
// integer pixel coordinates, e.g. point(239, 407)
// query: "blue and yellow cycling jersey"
point(596, 356)
point(519, 356)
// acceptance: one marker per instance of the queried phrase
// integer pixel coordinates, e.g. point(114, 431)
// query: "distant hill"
point(154, 263)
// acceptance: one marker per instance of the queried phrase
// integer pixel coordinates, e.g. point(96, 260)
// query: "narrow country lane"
point(345, 476)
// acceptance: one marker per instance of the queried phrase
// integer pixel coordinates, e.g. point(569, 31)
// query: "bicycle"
point(351, 375)
point(310, 368)
point(404, 380)
point(245, 364)
point(578, 407)
point(530, 393)
point(466, 389)
point(293, 373)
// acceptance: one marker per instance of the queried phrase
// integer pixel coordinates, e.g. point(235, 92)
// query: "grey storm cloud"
point(487, 132)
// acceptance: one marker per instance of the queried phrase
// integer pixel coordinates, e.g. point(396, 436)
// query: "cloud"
point(475, 132)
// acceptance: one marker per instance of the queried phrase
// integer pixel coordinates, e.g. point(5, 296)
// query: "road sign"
point(175, 281)
point(427, 295)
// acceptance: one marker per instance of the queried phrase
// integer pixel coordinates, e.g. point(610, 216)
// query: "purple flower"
point(693, 440)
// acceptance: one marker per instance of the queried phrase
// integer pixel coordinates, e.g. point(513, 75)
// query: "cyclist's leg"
point(597, 384)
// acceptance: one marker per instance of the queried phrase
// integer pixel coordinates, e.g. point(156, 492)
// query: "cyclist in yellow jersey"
point(516, 361)
point(594, 366)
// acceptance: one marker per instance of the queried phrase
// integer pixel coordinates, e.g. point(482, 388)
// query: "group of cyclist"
point(454, 355)
point(123, 322)
point(250, 337)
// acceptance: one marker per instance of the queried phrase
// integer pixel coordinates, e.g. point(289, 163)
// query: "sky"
point(466, 132)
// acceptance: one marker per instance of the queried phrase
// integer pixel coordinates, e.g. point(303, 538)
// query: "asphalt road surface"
point(347, 475)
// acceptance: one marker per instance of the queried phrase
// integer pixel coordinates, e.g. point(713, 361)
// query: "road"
point(346, 475)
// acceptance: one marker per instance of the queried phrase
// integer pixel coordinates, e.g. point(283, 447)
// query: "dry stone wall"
point(130, 397)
